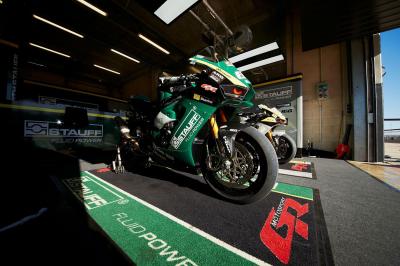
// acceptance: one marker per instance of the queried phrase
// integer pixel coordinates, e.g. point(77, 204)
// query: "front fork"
point(223, 140)
point(269, 136)
point(267, 131)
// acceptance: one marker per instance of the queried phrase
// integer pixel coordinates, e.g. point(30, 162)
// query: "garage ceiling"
point(323, 23)
point(118, 30)
point(332, 21)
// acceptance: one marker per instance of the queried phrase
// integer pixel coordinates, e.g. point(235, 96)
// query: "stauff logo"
point(33, 128)
point(181, 135)
point(54, 130)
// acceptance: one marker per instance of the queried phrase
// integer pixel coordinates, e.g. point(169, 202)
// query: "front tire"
point(262, 175)
point(286, 149)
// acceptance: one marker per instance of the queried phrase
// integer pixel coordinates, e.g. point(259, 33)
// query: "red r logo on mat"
point(281, 246)
point(299, 167)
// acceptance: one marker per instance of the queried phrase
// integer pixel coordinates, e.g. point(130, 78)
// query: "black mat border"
point(325, 256)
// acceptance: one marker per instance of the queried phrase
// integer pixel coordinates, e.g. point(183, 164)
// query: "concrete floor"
point(387, 172)
point(361, 213)
point(392, 151)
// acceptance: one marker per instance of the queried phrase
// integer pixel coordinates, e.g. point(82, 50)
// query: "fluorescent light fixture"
point(171, 9)
point(92, 7)
point(107, 69)
point(57, 26)
point(36, 64)
point(124, 55)
point(254, 52)
point(153, 43)
point(262, 63)
point(49, 50)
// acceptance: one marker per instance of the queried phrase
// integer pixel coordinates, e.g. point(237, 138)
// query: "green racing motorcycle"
point(194, 127)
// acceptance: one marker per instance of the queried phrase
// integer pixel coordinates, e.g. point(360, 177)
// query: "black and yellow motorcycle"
point(267, 122)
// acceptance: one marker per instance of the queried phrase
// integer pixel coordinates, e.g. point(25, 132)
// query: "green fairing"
point(248, 99)
point(164, 95)
point(169, 110)
point(197, 113)
point(195, 117)
point(232, 74)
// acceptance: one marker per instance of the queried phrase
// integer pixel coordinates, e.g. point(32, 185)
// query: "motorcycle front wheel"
point(286, 149)
point(252, 170)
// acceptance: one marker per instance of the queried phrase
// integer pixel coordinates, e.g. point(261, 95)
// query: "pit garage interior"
point(66, 61)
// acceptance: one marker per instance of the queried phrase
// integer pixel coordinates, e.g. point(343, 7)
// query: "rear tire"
point(265, 165)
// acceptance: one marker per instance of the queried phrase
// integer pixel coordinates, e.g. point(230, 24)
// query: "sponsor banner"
point(57, 133)
point(43, 128)
point(298, 169)
point(286, 96)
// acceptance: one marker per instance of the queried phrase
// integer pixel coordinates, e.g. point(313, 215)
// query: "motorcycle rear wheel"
point(260, 173)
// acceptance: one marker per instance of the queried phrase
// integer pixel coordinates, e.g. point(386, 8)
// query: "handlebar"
point(252, 115)
point(177, 83)
point(176, 80)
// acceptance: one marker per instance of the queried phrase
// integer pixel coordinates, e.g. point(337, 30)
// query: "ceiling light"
point(262, 63)
point(36, 64)
point(254, 52)
point(171, 9)
point(124, 55)
point(98, 10)
point(153, 43)
point(57, 26)
point(112, 71)
point(49, 50)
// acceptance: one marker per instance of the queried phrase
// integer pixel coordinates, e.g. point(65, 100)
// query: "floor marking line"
point(300, 162)
point(119, 196)
point(188, 226)
point(294, 173)
point(288, 194)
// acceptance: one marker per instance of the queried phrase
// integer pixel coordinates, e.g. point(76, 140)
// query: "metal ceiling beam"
point(228, 30)
point(206, 26)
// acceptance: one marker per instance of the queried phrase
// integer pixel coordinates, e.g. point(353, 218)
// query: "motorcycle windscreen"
point(224, 69)
point(224, 73)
